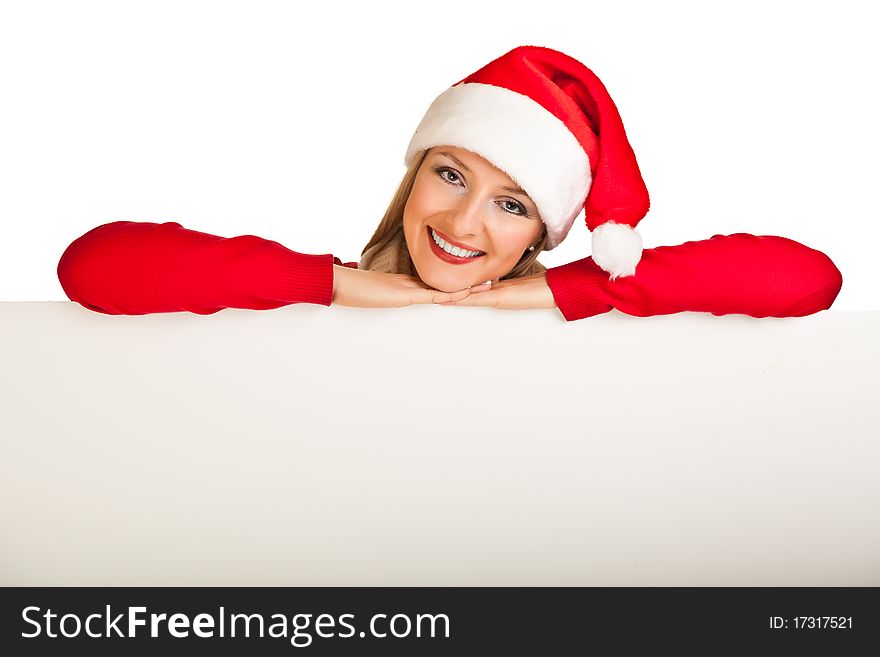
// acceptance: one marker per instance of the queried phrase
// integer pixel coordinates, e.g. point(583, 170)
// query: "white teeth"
point(453, 250)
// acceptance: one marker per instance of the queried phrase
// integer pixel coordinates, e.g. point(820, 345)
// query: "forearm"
point(761, 276)
point(136, 268)
point(340, 283)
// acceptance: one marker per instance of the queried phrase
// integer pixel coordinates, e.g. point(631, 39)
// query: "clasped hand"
point(369, 289)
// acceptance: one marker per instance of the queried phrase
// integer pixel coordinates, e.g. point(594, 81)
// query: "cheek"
point(423, 200)
point(412, 218)
point(513, 240)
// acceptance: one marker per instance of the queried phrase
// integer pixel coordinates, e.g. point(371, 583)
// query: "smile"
point(449, 253)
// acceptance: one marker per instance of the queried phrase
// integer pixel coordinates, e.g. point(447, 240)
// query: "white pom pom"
point(617, 248)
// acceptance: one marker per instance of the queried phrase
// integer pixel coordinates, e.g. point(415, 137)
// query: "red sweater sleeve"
point(134, 268)
point(761, 276)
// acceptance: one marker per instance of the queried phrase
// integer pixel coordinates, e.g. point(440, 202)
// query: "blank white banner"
point(440, 446)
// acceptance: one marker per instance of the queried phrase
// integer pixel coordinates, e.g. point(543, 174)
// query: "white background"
point(290, 120)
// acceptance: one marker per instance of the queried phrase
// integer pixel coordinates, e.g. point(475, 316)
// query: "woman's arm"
point(134, 268)
point(761, 276)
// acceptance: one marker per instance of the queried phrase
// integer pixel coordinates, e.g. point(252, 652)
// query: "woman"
point(498, 169)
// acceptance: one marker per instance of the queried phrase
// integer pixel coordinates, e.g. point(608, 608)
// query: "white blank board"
point(439, 446)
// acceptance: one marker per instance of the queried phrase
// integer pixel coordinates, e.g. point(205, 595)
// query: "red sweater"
point(133, 268)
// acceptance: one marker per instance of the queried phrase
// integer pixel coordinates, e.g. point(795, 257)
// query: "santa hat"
point(548, 122)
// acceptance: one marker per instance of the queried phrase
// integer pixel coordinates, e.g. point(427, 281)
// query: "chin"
point(445, 283)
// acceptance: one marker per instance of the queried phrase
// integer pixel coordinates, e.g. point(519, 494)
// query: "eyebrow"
point(515, 190)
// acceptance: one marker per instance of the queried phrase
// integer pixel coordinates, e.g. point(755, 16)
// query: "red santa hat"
point(548, 122)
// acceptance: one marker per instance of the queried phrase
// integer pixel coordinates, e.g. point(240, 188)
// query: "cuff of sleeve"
point(306, 278)
point(578, 288)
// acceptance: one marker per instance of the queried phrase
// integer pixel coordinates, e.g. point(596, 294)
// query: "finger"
point(463, 302)
point(467, 292)
point(490, 298)
point(448, 297)
point(467, 301)
point(461, 297)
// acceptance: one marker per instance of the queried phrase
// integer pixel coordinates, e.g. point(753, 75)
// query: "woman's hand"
point(362, 288)
point(513, 294)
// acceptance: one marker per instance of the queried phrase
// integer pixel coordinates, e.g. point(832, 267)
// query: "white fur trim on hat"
point(617, 248)
point(518, 136)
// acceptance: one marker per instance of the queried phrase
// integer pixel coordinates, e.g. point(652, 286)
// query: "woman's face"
point(461, 200)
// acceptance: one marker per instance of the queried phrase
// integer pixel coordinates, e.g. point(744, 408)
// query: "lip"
point(447, 257)
point(451, 241)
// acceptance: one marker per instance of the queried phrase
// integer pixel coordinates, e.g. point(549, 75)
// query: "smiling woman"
point(475, 219)
point(498, 169)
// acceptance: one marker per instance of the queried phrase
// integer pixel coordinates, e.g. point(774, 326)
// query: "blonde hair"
point(387, 252)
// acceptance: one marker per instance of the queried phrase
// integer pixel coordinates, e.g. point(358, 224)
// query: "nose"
point(466, 219)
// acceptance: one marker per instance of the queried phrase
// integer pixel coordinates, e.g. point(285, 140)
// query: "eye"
point(517, 206)
point(452, 172)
